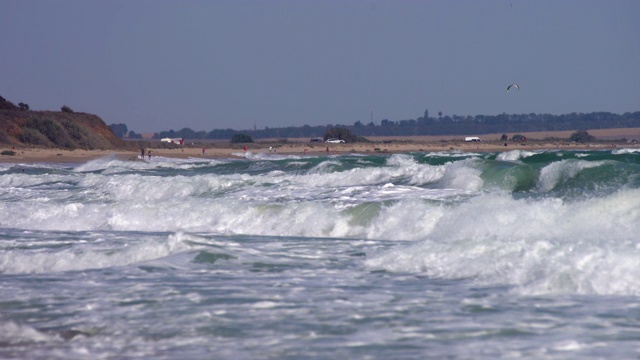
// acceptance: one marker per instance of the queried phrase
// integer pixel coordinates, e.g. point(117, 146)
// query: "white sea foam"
point(262, 248)
point(625, 151)
point(15, 334)
point(28, 262)
point(450, 154)
point(514, 155)
point(267, 156)
point(109, 162)
point(110, 165)
point(538, 246)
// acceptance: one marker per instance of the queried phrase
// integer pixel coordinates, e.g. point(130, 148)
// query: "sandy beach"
point(34, 155)
point(223, 149)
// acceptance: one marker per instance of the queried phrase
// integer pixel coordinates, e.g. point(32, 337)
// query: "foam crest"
point(401, 160)
point(25, 180)
point(407, 220)
point(405, 167)
point(250, 155)
point(450, 154)
point(514, 155)
point(108, 162)
point(537, 246)
point(29, 262)
point(625, 151)
point(159, 188)
point(559, 171)
point(464, 175)
point(111, 165)
point(325, 167)
point(21, 335)
point(325, 175)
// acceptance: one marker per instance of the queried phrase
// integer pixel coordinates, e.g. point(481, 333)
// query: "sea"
point(427, 255)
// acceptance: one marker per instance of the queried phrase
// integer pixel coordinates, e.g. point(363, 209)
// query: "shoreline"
point(235, 151)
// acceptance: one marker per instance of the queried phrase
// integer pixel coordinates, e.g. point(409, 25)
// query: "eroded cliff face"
point(56, 129)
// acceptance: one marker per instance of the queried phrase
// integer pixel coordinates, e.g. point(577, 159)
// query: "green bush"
point(52, 130)
point(66, 109)
point(8, 152)
point(581, 136)
point(34, 137)
point(241, 138)
point(134, 135)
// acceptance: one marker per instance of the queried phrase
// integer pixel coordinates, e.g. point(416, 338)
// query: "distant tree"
point(518, 137)
point(409, 122)
point(133, 135)
point(23, 106)
point(504, 137)
point(439, 125)
point(241, 138)
point(66, 109)
point(581, 136)
point(119, 129)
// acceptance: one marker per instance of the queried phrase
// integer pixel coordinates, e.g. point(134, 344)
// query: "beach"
point(32, 155)
point(224, 149)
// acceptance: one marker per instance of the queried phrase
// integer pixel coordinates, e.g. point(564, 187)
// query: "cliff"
point(53, 129)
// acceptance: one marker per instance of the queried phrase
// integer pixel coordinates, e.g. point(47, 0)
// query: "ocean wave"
point(536, 246)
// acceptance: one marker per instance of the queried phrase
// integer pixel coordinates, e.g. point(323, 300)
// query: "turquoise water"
point(425, 255)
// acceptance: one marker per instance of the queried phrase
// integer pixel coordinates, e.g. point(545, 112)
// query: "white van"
point(472, 139)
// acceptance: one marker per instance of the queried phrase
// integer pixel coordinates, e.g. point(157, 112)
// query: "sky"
point(156, 65)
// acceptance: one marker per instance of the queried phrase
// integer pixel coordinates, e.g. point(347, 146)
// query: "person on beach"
point(149, 153)
point(142, 153)
point(204, 150)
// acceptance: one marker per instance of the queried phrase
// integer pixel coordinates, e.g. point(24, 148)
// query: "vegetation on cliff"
point(65, 129)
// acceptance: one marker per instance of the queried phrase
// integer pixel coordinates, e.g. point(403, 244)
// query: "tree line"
point(441, 125)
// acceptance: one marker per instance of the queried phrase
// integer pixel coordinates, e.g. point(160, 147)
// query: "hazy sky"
point(159, 65)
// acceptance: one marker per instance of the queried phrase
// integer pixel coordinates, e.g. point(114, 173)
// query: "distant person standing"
point(142, 153)
point(149, 153)
point(204, 150)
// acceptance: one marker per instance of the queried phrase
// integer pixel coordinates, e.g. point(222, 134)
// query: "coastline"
point(212, 151)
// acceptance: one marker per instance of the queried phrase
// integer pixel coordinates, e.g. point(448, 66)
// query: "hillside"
point(53, 129)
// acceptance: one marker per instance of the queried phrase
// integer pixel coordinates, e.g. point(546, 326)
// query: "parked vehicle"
point(335, 141)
